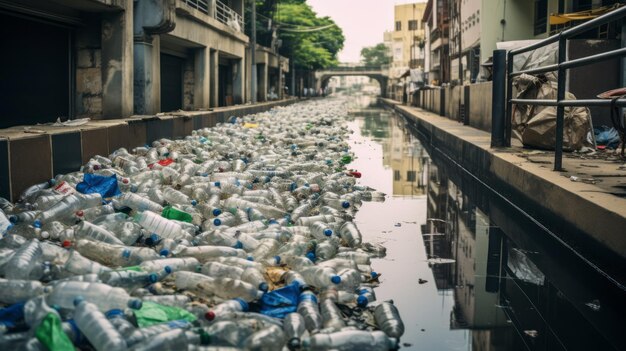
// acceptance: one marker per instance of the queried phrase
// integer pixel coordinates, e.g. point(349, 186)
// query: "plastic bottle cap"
point(37, 223)
point(272, 221)
point(374, 275)
point(126, 253)
point(293, 344)
point(238, 245)
point(52, 181)
point(134, 188)
point(153, 278)
point(114, 312)
point(164, 252)
point(328, 232)
point(217, 221)
point(44, 234)
point(277, 259)
point(78, 300)
point(66, 243)
point(345, 204)
point(194, 202)
point(13, 219)
point(310, 256)
point(168, 269)
point(218, 184)
point(217, 212)
point(9, 227)
point(335, 279)
point(209, 315)
point(243, 303)
point(80, 213)
point(125, 181)
point(250, 258)
point(135, 304)
point(362, 301)
point(263, 287)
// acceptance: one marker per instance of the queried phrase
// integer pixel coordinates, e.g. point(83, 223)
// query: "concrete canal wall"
point(33, 154)
point(584, 217)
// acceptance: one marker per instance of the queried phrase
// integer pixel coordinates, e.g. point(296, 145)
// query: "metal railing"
point(227, 15)
point(503, 70)
point(353, 69)
point(200, 5)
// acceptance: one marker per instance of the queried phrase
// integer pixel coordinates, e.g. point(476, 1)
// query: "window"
point(541, 16)
point(413, 25)
point(411, 176)
point(396, 175)
point(398, 25)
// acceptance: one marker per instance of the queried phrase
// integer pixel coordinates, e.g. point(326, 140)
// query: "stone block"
point(89, 81)
point(92, 105)
point(85, 58)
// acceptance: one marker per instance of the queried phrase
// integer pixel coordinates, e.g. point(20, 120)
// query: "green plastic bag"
point(170, 212)
point(51, 334)
point(153, 313)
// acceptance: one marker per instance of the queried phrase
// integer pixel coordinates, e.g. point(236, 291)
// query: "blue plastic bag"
point(280, 302)
point(93, 183)
point(12, 316)
point(607, 136)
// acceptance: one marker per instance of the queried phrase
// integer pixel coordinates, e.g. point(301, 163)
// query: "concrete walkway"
point(599, 209)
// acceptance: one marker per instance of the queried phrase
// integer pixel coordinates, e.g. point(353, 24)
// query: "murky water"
point(466, 270)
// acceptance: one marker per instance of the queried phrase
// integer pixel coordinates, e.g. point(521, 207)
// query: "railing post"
point(498, 99)
point(560, 109)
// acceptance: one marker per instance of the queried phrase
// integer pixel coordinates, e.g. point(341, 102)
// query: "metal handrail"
point(562, 65)
point(356, 68)
point(200, 5)
point(225, 14)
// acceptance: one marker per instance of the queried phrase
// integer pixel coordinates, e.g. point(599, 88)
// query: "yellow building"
point(407, 36)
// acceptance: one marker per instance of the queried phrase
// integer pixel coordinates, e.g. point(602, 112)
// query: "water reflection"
point(493, 279)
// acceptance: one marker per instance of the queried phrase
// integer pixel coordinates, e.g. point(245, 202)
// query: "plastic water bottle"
point(17, 290)
point(5, 224)
point(207, 253)
point(67, 206)
point(24, 261)
point(163, 227)
point(357, 257)
point(114, 255)
point(388, 319)
point(255, 277)
point(169, 300)
point(265, 339)
point(350, 340)
point(350, 235)
point(234, 305)
point(137, 203)
point(320, 277)
point(130, 279)
point(76, 264)
point(294, 328)
point(119, 321)
point(350, 279)
point(174, 196)
point(309, 310)
point(146, 333)
point(239, 262)
point(325, 250)
point(174, 339)
point(176, 264)
point(91, 231)
point(331, 315)
point(226, 288)
point(97, 328)
point(103, 296)
point(216, 270)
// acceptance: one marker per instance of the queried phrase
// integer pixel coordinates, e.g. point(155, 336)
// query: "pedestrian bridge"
point(375, 72)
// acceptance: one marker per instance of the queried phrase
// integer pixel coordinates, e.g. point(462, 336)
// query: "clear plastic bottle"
point(24, 261)
point(350, 279)
point(97, 328)
point(225, 218)
point(119, 320)
point(174, 196)
point(163, 227)
point(90, 214)
point(67, 206)
point(234, 305)
point(22, 217)
point(225, 288)
point(266, 249)
point(320, 277)
point(325, 250)
point(388, 319)
point(91, 231)
point(350, 235)
point(207, 253)
point(294, 328)
point(307, 221)
point(309, 310)
point(350, 340)
point(76, 264)
point(321, 230)
point(103, 296)
point(239, 262)
point(138, 203)
point(146, 333)
point(175, 339)
point(17, 290)
point(216, 270)
point(357, 257)
point(265, 339)
point(255, 277)
point(130, 279)
point(114, 255)
point(331, 315)
point(169, 300)
point(175, 263)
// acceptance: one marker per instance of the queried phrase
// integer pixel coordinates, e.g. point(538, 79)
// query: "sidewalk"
point(599, 209)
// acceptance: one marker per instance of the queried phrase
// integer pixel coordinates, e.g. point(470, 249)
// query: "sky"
point(363, 22)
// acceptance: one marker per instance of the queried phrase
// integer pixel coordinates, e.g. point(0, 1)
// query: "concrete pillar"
point(263, 81)
point(117, 63)
point(214, 78)
point(147, 76)
point(281, 84)
point(202, 78)
point(238, 81)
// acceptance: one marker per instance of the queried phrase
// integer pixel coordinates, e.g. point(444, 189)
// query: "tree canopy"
point(376, 55)
point(312, 42)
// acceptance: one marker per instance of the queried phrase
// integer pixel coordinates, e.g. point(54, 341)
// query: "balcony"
point(218, 10)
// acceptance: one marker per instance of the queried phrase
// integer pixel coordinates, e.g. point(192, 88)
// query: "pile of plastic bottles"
point(237, 237)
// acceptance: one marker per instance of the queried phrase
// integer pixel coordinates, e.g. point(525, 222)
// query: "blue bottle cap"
point(293, 187)
point(126, 253)
point(154, 237)
point(272, 221)
point(335, 279)
point(168, 269)
point(218, 184)
point(216, 212)
point(78, 300)
point(9, 227)
point(135, 304)
point(153, 278)
point(277, 259)
point(328, 232)
point(362, 301)
point(37, 223)
point(217, 222)
point(345, 204)
point(133, 188)
point(194, 202)
point(164, 252)
point(238, 245)
point(263, 287)
point(243, 303)
point(52, 182)
point(13, 219)
point(113, 313)
point(374, 275)
point(250, 258)
point(204, 174)
point(310, 256)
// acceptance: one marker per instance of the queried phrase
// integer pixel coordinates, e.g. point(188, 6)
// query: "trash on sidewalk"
point(238, 236)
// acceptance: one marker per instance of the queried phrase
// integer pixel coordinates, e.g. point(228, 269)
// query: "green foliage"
point(292, 19)
point(376, 55)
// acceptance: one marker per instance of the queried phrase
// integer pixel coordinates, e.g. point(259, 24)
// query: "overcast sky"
point(362, 21)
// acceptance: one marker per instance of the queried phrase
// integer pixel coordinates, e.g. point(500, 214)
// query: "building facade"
point(116, 58)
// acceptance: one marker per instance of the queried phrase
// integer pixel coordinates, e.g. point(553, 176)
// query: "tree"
point(312, 42)
point(376, 55)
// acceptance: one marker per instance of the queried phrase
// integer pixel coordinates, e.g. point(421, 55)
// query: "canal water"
point(466, 269)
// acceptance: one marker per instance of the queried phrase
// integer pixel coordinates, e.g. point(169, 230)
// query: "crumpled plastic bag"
point(50, 333)
point(280, 302)
point(93, 183)
point(153, 313)
point(607, 136)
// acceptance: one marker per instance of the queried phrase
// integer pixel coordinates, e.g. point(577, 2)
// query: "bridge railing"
point(353, 69)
